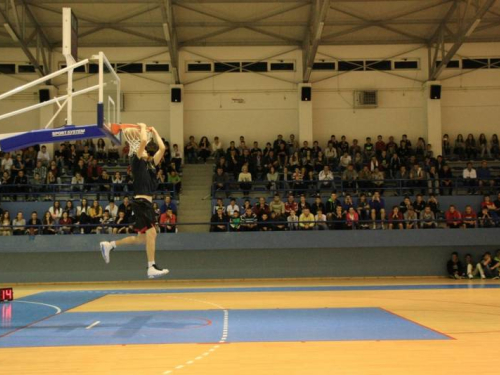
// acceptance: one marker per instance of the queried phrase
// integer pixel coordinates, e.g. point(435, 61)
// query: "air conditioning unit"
point(366, 99)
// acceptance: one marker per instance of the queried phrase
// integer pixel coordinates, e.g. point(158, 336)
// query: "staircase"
point(193, 207)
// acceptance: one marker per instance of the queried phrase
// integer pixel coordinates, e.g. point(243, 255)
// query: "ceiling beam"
point(319, 11)
point(167, 12)
point(465, 31)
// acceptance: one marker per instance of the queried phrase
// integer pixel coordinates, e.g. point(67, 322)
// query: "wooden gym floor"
point(358, 326)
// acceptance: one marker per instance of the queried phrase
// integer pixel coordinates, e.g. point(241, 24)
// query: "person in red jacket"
point(453, 218)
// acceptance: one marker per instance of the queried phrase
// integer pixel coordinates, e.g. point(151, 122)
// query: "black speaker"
point(306, 94)
point(44, 95)
point(176, 95)
point(435, 91)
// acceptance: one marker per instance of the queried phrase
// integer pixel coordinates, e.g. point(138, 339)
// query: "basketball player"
point(145, 183)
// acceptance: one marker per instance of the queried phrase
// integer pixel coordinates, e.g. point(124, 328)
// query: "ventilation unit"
point(366, 99)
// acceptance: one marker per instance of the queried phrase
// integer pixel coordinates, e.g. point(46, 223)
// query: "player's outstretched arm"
point(144, 139)
point(161, 147)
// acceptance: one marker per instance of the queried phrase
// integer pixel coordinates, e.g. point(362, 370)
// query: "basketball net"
point(133, 138)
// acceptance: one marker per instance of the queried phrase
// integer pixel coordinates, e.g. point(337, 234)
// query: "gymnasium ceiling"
point(249, 22)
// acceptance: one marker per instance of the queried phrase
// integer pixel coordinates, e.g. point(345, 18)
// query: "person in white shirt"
point(112, 208)
point(232, 208)
point(293, 221)
point(470, 178)
point(330, 153)
point(320, 219)
point(216, 148)
point(43, 156)
point(7, 162)
point(245, 179)
point(345, 160)
point(326, 177)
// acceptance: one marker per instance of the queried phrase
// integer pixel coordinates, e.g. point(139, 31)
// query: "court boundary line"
point(419, 324)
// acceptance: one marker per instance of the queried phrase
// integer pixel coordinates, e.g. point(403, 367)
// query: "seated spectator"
point(418, 178)
point(365, 179)
point(56, 211)
point(277, 205)
point(377, 206)
point(378, 180)
point(291, 205)
point(219, 221)
point(30, 157)
point(484, 177)
point(427, 218)
point(446, 180)
point(118, 183)
point(19, 224)
point(96, 214)
point(352, 219)
point(364, 211)
point(419, 204)
point(434, 204)
point(492, 209)
point(245, 180)
point(470, 178)
point(485, 266)
point(454, 267)
point(348, 203)
point(175, 180)
point(306, 219)
point(470, 267)
point(264, 224)
point(37, 185)
point(345, 161)
point(339, 221)
point(272, 178)
point(21, 184)
point(433, 181)
point(168, 203)
point(216, 148)
point(349, 178)
point(320, 220)
point(261, 208)
point(220, 180)
point(34, 225)
point(279, 221)
point(122, 225)
point(453, 218)
point(293, 220)
point(94, 172)
point(167, 221)
point(43, 156)
point(126, 207)
point(411, 218)
point(469, 218)
point(497, 205)
point(77, 182)
point(6, 224)
point(112, 208)
point(48, 224)
point(113, 153)
point(403, 176)
point(65, 224)
point(331, 154)
point(395, 219)
point(105, 224)
point(234, 221)
point(484, 220)
point(176, 158)
point(303, 204)
point(232, 207)
point(248, 220)
point(191, 150)
point(218, 205)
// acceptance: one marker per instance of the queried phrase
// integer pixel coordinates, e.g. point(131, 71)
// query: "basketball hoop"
point(131, 134)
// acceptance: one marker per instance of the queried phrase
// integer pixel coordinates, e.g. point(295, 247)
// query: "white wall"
point(470, 102)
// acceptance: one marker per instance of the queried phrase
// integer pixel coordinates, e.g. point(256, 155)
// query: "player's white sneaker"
point(154, 272)
point(106, 248)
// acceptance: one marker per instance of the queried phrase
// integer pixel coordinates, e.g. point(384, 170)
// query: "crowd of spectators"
point(348, 214)
point(86, 217)
point(352, 167)
point(82, 166)
point(488, 266)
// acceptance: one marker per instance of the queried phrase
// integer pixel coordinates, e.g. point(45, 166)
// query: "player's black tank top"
point(145, 181)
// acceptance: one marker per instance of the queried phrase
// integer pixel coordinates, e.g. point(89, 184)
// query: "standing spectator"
point(453, 218)
point(34, 225)
point(19, 224)
point(43, 156)
point(454, 267)
point(427, 218)
point(484, 177)
point(469, 218)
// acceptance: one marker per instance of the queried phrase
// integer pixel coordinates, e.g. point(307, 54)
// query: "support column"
point(433, 118)
point(305, 117)
point(46, 113)
point(177, 122)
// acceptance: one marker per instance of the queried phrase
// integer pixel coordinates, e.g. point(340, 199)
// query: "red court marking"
point(414, 322)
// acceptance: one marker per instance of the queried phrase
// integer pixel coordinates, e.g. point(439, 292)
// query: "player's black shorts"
point(144, 215)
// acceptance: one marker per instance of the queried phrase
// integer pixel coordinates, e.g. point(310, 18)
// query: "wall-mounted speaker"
point(43, 95)
point(306, 94)
point(176, 95)
point(435, 91)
